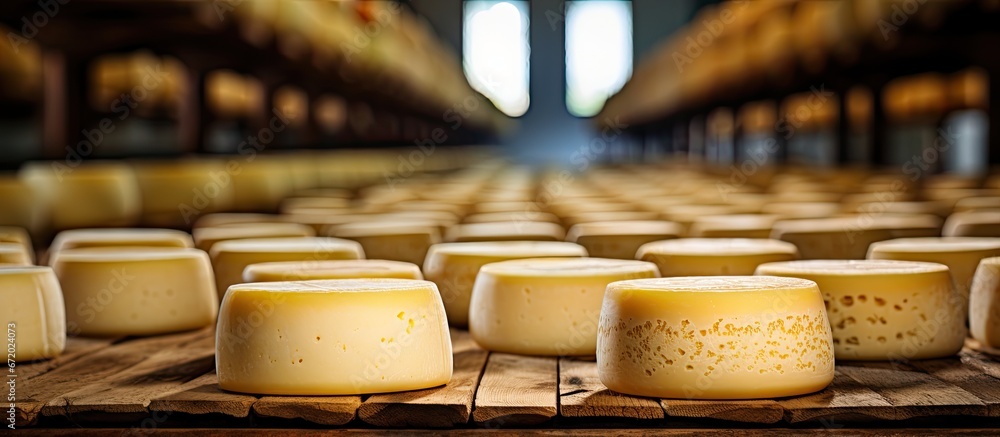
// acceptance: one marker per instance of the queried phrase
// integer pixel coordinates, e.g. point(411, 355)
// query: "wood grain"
point(326, 410)
point(844, 399)
point(581, 394)
point(438, 407)
point(76, 347)
point(967, 378)
point(516, 391)
point(914, 393)
point(750, 411)
point(202, 395)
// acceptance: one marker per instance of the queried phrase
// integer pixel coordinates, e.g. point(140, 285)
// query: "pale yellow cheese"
point(230, 218)
point(515, 230)
point(33, 303)
point(336, 269)
point(978, 204)
point(119, 237)
point(454, 266)
point(984, 303)
point(720, 337)
point(545, 306)
point(830, 238)
point(714, 256)
point(973, 224)
point(802, 210)
point(21, 207)
point(960, 254)
point(885, 310)
point(14, 254)
point(336, 337)
point(507, 216)
point(136, 291)
point(206, 238)
point(87, 195)
point(19, 236)
point(231, 257)
point(621, 240)
point(608, 216)
point(406, 241)
point(733, 226)
point(293, 203)
point(176, 193)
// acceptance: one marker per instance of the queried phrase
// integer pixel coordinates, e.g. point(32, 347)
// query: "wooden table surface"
point(168, 382)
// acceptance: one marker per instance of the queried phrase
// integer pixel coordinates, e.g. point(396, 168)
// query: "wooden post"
point(194, 117)
point(64, 81)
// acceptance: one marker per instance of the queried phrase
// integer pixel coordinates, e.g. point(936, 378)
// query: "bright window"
point(496, 51)
point(598, 53)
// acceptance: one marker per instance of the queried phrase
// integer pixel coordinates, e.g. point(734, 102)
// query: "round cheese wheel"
point(621, 240)
point(403, 240)
point(984, 303)
point(830, 238)
point(506, 231)
point(716, 337)
point(960, 254)
point(714, 256)
point(119, 237)
point(206, 238)
point(337, 269)
point(34, 309)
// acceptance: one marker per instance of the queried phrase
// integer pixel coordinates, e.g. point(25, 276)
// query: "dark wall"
point(548, 133)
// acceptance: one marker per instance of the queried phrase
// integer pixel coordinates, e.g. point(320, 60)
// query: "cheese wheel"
point(206, 238)
point(406, 241)
point(231, 257)
point(714, 256)
point(609, 216)
point(978, 204)
point(338, 269)
point(960, 254)
point(984, 303)
point(335, 337)
point(21, 206)
point(507, 216)
point(506, 231)
point(545, 306)
point(733, 226)
point(87, 195)
point(885, 310)
point(830, 238)
point(230, 218)
point(136, 291)
point(19, 236)
point(716, 337)
point(454, 266)
point(973, 224)
point(119, 237)
point(621, 240)
point(33, 304)
point(175, 194)
point(801, 210)
point(293, 203)
point(14, 254)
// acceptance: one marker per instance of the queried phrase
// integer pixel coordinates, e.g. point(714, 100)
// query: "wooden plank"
point(516, 391)
point(844, 399)
point(970, 379)
point(750, 411)
point(556, 432)
point(130, 391)
point(914, 393)
point(439, 407)
point(985, 363)
point(76, 347)
point(36, 392)
point(202, 395)
point(326, 410)
point(581, 394)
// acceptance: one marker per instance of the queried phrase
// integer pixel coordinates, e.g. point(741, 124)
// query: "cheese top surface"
point(514, 230)
point(290, 245)
point(13, 234)
point(514, 249)
point(567, 267)
point(507, 216)
point(335, 269)
point(365, 285)
point(717, 247)
point(849, 267)
point(14, 253)
point(228, 218)
point(378, 228)
point(82, 238)
point(935, 245)
point(124, 254)
point(713, 284)
point(626, 227)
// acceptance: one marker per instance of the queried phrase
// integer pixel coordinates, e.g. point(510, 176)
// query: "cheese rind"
point(341, 269)
point(621, 240)
point(506, 231)
point(454, 266)
point(719, 337)
point(406, 241)
point(960, 254)
point(14, 254)
point(33, 303)
point(230, 258)
point(336, 337)
point(136, 291)
point(830, 238)
point(885, 310)
point(119, 237)
point(984, 303)
point(205, 238)
point(545, 306)
point(714, 256)
point(14, 234)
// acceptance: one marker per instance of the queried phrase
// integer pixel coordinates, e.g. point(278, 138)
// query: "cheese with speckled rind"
point(454, 266)
point(230, 258)
point(830, 238)
point(120, 237)
point(403, 240)
point(136, 291)
point(960, 254)
point(621, 240)
point(205, 238)
point(336, 337)
point(717, 337)
point(33, 302)
point(545, 306)
point(338, 269)
point(984, 303)
point(714, 256)
point(885, 310)
point(514, 230)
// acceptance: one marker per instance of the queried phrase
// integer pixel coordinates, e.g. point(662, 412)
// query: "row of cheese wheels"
point(114, 283)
